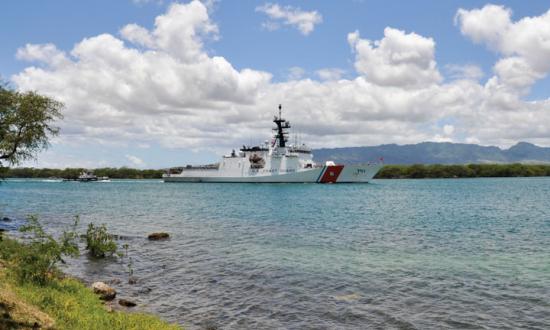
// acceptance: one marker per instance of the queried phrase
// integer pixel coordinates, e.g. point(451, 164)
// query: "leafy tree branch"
point(26, 124)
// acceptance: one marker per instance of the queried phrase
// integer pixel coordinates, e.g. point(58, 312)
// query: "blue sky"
point(245, 43)
point(243, 40)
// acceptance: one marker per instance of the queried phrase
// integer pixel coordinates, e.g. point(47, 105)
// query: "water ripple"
point(403, 254)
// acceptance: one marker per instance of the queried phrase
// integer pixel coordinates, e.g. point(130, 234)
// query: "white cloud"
point(484, 25)
point(135, 161)
point(159, 90)
point(524, 44)
point(448, 129)
point(115, 92)
point(330, 74)
point(46, 53)
point(467, 71)
point(137, 35)
point(304, 21)
point(296, 73)
point(399, 59)
point(445, 134)
point(53, 159)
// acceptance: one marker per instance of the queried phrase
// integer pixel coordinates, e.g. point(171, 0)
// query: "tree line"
point(419, 171)
point(73, 173)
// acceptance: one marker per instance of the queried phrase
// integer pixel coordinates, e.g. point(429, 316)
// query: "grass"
point(65, 301)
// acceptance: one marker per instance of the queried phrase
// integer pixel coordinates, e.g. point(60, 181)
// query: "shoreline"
point(389, 171)
point(63, 302)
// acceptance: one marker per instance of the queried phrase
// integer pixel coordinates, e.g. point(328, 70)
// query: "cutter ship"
point(274, 162)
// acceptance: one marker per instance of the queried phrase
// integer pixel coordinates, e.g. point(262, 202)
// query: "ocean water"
point(397, 254)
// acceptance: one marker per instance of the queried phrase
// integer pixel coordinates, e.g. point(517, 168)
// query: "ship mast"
point(282, 125)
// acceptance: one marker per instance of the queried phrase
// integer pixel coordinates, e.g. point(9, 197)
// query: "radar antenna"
point(282, 125)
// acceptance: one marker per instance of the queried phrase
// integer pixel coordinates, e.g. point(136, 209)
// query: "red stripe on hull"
point(331, 174)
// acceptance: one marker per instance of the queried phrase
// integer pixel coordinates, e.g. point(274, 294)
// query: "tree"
point(26, 124)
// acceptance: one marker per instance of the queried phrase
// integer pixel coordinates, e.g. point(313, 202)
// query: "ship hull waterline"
point(327, 174)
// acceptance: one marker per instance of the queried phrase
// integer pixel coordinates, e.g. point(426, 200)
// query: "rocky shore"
point(62, 302)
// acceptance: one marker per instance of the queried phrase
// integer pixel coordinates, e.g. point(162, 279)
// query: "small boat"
point(275, 161)
point(86, 176)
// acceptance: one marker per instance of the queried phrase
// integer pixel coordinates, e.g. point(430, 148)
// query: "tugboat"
point(275, 161)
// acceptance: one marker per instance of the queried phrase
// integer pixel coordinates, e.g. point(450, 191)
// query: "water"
point(402, 254)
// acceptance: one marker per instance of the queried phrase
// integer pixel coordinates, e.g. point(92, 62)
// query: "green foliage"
point(73, 173)
point(8, 248)
point(25, 124)
point(28, 270)
point(36, 262)
point(418, 171)
point(387, 172)
point(71, 303)
point(99, 242)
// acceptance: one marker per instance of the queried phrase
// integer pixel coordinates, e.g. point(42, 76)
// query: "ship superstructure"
point(274, 161)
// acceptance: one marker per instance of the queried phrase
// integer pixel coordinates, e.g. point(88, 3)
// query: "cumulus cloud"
point(330, 73)
point(524, 44)
point(135, 161)
point(47, 53)
point(399, 59)
point(304, 21)
point(137, 35)
point(160, 86)
point(164, 87)
point(448, 129)
point(295, 73)
point(484, 25)
point(467, 71)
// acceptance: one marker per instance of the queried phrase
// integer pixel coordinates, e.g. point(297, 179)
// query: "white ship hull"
point(277, 162)
point(326, 174)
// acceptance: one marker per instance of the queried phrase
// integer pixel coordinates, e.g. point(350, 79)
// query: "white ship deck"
point(275, 161)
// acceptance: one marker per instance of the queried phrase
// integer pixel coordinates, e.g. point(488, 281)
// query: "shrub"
point(99, 242)
point(8, 248)
point(36, 262)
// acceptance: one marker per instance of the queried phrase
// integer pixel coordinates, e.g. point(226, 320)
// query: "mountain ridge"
point(436, 153)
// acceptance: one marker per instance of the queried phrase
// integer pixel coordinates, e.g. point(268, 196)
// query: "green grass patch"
point(68, 301)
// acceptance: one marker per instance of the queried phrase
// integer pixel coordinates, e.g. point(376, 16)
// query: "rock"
point(132, 280)
point(209, 325)
point(158, 236)
point(104, 291)
point(6, 219)
point(126, 303)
